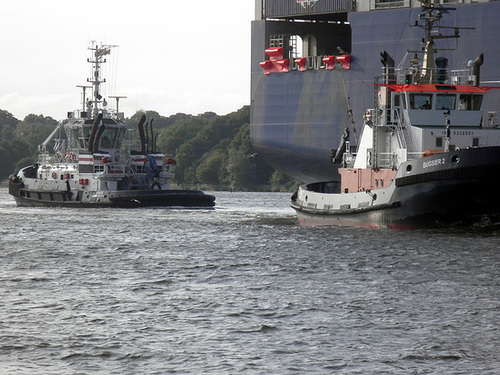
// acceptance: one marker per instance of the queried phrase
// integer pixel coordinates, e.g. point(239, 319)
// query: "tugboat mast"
point(432, 15)
point(97, 59)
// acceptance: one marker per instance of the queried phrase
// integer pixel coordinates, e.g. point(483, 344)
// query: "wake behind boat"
point(94, 162)
point(428, 154)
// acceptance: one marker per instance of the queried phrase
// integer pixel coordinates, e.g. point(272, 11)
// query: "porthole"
point(455, 159)
point(408, 168)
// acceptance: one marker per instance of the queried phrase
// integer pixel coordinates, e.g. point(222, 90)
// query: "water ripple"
point(241, 289)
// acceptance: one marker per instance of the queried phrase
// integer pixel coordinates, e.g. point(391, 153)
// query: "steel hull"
point(120, 199)
point(460, 194)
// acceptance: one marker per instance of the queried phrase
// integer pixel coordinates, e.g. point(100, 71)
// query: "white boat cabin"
point(415, 121)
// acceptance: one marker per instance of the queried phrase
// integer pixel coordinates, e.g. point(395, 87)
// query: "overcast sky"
point(188, 56)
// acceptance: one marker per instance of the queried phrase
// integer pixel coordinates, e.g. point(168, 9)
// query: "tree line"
point(211, 151)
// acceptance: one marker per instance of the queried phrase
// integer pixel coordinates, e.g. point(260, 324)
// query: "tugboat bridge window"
point(73, 138)
point(445, 101)
point(121, 137)
point(108, 137)
point(420, 101)
point(84, 135)
point(470, 102)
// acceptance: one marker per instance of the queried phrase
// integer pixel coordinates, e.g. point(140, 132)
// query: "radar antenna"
point(430, 17)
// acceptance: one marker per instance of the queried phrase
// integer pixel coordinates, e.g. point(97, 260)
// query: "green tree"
point(242, 172)
point(171, 138)
point(6, 118)
point(246, 170)
point(185, 157)
point(8, 132)
point(281, 182)
point(209, 170)
point(34, 129)
point(7, 164)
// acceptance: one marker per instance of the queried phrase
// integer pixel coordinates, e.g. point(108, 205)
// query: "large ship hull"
point(458, 188)
point(297, 118)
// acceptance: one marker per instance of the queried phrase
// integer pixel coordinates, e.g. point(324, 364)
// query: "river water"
point(241, 289)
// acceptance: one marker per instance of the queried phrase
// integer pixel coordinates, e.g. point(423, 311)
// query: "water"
point(241, 289)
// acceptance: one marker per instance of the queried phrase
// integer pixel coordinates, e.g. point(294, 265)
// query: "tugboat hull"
point(460, 190)
point(169, 198)
point(418, 210)
point(123, 199)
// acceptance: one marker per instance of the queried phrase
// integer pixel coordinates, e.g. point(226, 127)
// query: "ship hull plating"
point(462, 190)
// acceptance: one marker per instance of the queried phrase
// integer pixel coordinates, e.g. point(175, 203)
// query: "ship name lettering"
point(433, 163)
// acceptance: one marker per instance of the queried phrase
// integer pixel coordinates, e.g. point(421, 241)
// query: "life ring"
point(54, 175)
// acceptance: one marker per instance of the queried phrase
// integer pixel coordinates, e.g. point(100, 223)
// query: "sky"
point(189, 56)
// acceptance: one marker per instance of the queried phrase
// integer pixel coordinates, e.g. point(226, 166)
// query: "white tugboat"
point(94, 163)
point(428, 154)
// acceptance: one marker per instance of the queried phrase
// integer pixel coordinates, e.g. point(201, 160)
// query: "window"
point(84, 136)
point(439, 142)
point(397, 100)
point(108, 137)
point(475, 142)
point(74, 138)
point(121, 136)
point(296, 46)
point(470, 102)
point(376, 4)
point(420, 101)
point(445, 101)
